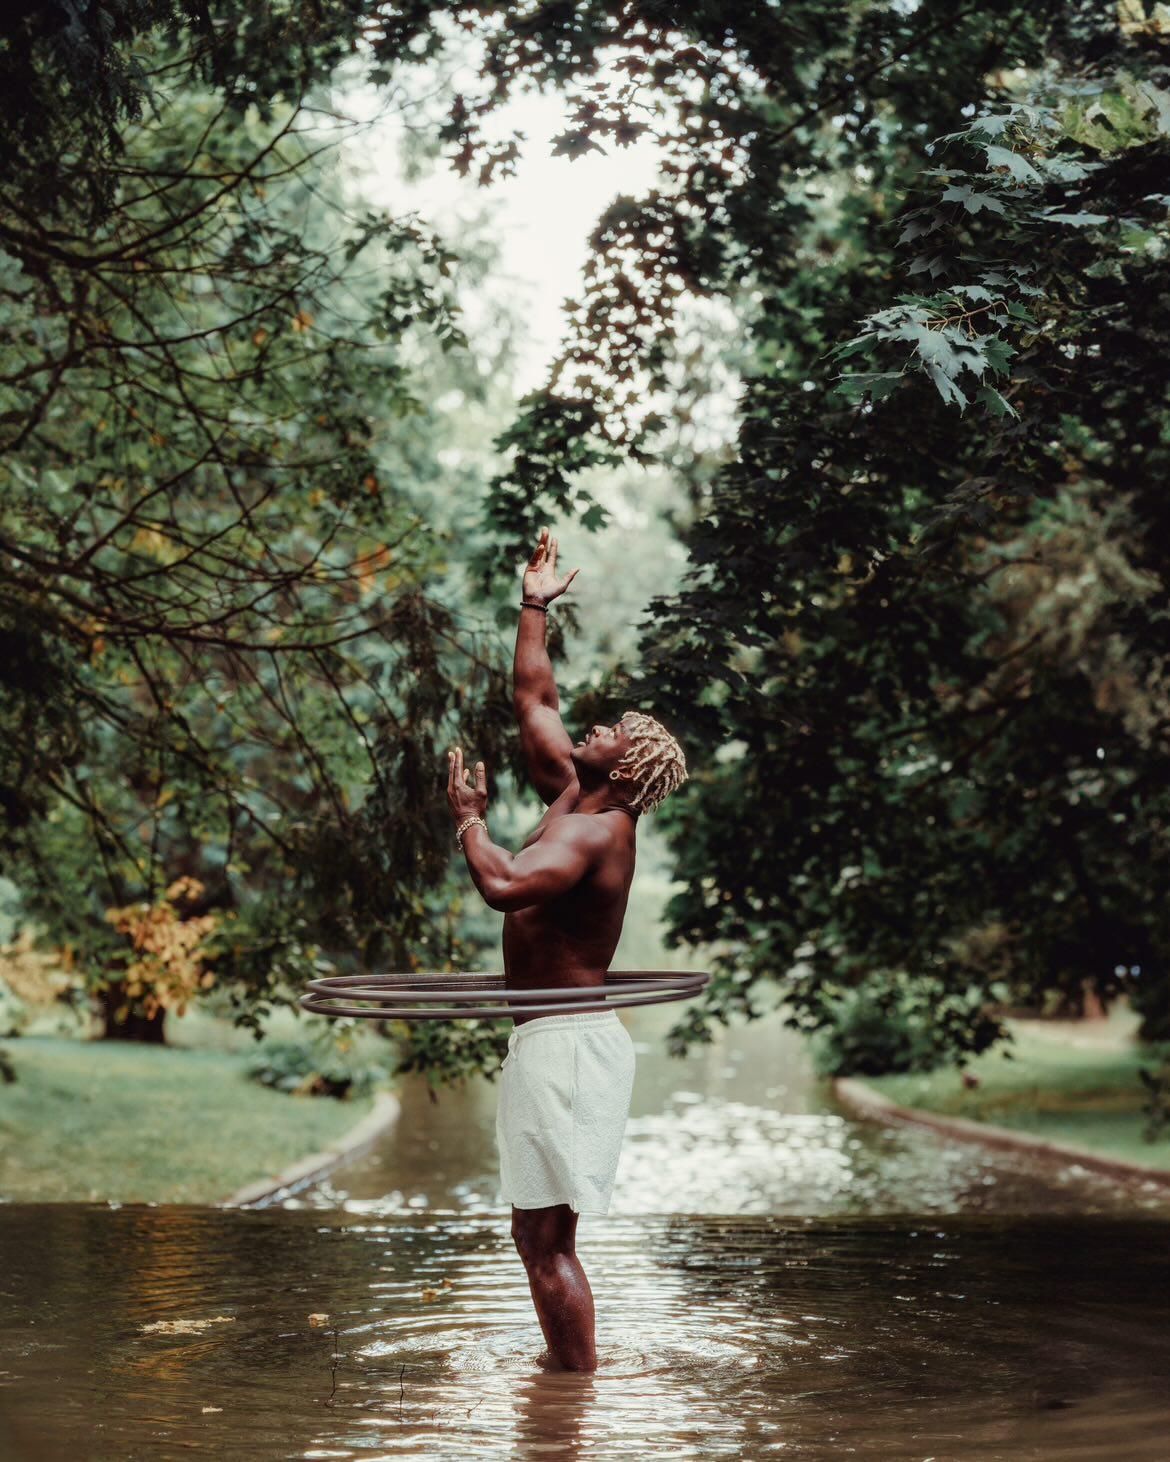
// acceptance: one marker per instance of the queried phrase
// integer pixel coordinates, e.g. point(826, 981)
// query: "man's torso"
point(571, 939)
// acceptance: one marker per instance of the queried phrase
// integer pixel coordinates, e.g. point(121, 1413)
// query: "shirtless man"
point(566, 1082)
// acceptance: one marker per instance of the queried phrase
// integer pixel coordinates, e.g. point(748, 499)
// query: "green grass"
point(1057, 1091)
point(105, 1120)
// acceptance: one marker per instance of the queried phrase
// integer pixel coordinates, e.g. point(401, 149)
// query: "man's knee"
point(540, 1235)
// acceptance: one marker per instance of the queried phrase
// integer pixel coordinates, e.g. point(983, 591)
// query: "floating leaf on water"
point(185, 1327)
point(318, 1320)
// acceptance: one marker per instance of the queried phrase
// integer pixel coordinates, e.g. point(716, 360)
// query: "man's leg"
point(546, 1241)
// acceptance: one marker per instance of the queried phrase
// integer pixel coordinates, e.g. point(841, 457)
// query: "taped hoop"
point(481, 994)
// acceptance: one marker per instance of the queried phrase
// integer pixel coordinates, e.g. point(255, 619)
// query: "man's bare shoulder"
point(577, 825)
point(581, 829)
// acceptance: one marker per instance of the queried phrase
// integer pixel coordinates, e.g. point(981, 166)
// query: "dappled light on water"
point(739, 1127)
point(718, 1337)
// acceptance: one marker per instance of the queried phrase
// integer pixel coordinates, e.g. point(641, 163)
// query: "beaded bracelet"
point(528, 604)
point(464, 825)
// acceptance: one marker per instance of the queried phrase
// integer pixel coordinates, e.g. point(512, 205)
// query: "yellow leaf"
point(1133, 20)
point(154, 544)
point(184, 1327)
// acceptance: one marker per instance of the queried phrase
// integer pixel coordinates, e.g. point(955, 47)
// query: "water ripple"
point(718, 1336)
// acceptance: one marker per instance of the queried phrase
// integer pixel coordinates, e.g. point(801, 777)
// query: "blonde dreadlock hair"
point(654, 763)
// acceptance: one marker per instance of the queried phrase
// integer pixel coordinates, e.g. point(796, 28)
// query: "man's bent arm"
point(557, 863)
point(546, 743)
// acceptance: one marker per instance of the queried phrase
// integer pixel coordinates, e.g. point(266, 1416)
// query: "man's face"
point(602, 748)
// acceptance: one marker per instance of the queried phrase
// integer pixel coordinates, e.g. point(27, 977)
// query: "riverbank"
point(103, 1120)
point(1061, 1088)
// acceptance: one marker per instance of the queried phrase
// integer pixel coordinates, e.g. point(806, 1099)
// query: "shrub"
point(894, 1023)
point(318, 1066)
point(14, 1013)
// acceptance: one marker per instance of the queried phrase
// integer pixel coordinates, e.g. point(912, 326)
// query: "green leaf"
point(933, 264)
point(995, 403)
point(876, 385)
point(922, 221)
point(998, 354)
point(971, 200)
point(859, 345)
point(947, 389)
point(1019, 167)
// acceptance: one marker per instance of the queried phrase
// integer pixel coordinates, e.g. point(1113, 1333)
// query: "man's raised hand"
point(540, 576)
point(465, 798)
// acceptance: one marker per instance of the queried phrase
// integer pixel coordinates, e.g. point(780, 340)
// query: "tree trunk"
point(124, 1023)
point(1093, 1007)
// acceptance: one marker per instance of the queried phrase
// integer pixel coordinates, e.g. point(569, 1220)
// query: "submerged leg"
point(546, 1241)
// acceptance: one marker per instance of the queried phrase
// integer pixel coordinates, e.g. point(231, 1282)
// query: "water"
point(719, 1337)
point(774, 1280)
point(740, 1127)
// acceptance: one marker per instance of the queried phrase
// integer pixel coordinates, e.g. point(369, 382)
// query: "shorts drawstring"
point(574, 1018)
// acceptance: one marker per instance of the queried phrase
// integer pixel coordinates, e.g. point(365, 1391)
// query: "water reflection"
point(719, 1337)
point(740, 1126)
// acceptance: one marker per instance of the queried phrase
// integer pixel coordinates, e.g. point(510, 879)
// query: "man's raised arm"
point(547, 745)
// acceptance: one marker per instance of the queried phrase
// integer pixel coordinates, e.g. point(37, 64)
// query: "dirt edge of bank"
point(865, 1101)
point(308, 1170)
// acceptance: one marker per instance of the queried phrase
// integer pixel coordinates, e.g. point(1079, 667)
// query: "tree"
point(923, 595)
point(920, 656)
point(931, 646)
point(228, 652)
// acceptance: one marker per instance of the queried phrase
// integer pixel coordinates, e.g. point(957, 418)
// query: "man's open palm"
point(540, 577)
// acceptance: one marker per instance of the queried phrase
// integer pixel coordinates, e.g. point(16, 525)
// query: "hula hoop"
point(462, 996)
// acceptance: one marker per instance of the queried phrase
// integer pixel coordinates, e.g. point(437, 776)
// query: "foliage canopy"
point(920, 659)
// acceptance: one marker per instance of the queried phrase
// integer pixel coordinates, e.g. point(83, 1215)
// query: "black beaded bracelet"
point(527, 604)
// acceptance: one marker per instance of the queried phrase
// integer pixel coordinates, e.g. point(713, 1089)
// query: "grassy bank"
point(1082, 1094)
point(103, 1120)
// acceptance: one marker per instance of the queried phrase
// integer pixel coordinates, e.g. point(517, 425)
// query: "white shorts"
point(565, 1089)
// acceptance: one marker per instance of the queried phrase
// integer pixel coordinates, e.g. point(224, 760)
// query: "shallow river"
point(774, 1280)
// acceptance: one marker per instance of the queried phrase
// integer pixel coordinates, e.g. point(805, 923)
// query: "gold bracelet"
point(464, 825)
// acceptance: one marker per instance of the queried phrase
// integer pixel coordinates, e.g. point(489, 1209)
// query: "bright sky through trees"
point(541, 217)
